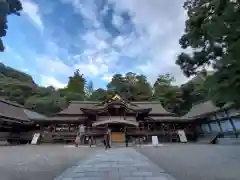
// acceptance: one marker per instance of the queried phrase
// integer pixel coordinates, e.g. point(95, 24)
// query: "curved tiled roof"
point(156, 107)
point(201, 109)
point(16, 111)
point(75, 107)
point(12, 110)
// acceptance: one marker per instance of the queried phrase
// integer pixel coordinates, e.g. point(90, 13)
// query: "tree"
point(48, 105)
point(7, 7)
point(170, 96)
point(76, 83)
point(193, 92)
point(131, 86)
point(212, 31)
point(99, 95)
point(143, 89)
point(117, 84)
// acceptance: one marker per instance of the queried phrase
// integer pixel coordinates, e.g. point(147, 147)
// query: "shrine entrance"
point(117, 126)
point(117, 132)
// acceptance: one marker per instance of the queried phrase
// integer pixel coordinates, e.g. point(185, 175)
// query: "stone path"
point(116, 164)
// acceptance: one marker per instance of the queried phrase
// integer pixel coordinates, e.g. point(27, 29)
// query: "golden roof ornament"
point(116, 97)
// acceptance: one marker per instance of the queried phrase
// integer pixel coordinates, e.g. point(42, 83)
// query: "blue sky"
point(99, 37)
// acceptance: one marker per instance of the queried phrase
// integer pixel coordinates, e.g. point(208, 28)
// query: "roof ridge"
point(146, 102)
point(84, 102)
point(11, 103)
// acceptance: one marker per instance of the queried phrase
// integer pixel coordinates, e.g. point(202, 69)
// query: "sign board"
point(182, 136)
point(154, 140)
point(35, 138)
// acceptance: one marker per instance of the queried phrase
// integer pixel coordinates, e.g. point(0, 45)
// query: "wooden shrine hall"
point(136, 119)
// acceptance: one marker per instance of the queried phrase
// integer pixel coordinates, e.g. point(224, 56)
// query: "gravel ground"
point(42, 162)
point(197, 162)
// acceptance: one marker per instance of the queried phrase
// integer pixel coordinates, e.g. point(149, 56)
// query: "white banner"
point(154, 140)
point(182, 136)
point(35, 138)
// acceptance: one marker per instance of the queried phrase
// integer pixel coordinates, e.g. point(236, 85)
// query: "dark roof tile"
point(201, 109)
point(16, 111)
point(12, 110)
point(75, 107)
point(156, 107)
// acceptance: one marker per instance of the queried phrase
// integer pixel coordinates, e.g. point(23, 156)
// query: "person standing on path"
point(107, 140)
point(77, 139)
point(126, 139)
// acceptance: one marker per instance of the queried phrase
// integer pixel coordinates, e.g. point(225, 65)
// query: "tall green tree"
point(75, 90)
point(143, 90)
point(117, 84)
point(170, 96)
point(7, 7)
point(132, 86)
point(99, 95)
point(194, 92)
point(76, 83)
point(48, 105)
point(212, 31)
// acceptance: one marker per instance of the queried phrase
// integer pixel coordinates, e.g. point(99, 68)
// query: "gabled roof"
point(202, 109)
point(74, 107)
point(34, 115)
point(156, 107)
point(12, 110)
point(16, 111)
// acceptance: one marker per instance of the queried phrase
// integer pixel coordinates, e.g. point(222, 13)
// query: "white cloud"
point(32, 10)
point(159, 24)
point(92, 68)
point(107, 78)
point(151, 38)
point(51, 81)
point(53, 66)
point(88, 9)
point(117, 21)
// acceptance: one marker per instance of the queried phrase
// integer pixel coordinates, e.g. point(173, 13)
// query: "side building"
point(17, 124)
point(223, 122)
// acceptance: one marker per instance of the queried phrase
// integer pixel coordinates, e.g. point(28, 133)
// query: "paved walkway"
point(116, 164)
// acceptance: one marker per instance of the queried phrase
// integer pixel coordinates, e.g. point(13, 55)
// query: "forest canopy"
point(20, 87)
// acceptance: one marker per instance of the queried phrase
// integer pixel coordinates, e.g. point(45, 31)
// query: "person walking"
point(77, 140)
point(107, 140)
point(126, 139)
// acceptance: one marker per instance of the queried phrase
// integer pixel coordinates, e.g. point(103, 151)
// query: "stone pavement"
point(116, 164)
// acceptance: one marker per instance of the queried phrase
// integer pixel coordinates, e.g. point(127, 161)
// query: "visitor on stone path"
point(90, 141)
point(77, 140)
point(126, 139)
point(107, 140)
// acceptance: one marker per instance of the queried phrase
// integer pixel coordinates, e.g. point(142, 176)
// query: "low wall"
point(228, 141)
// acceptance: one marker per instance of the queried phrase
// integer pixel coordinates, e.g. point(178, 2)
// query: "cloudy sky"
point(52, 38)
